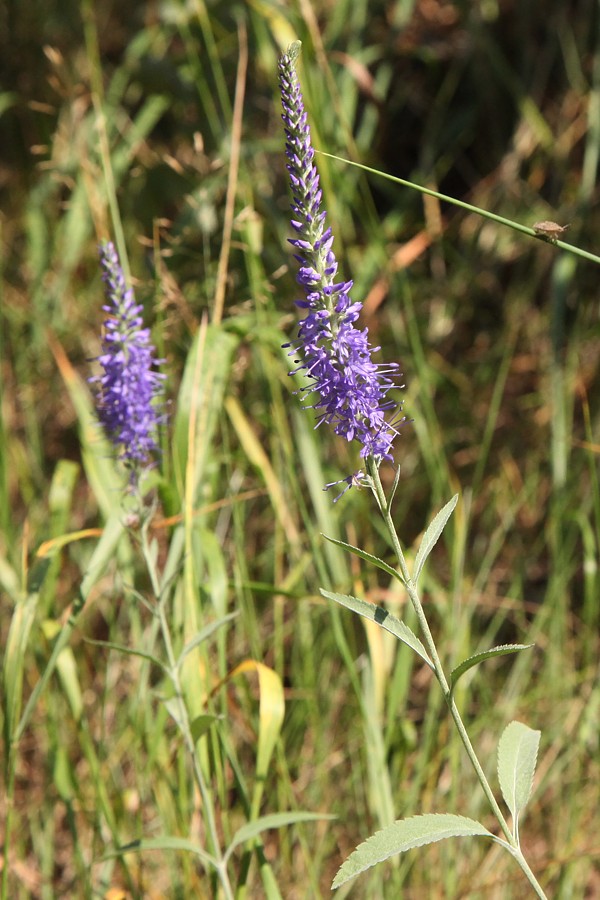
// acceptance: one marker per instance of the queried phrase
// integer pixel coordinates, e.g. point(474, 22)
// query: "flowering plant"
point(128, 401)
point(351, 395)
point(351, 389)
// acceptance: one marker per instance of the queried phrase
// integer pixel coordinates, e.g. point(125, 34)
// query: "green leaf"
point(200, 404)
point(276, 820)
point(200, 725)
point(204, 634)
point(10, 582)
point(97, 454)
point(517, 757)
point(368, 557)
point(173, 707)
point(383, 618)
point(166, 842)
point(13, 665)
point(8, 99)
point(501, 650)
point(394, 486)
point(432, 534)
point(405, 835)
point(130, 651)
point(68, 673)
point(62, 775)
point(104, 552)
point(102, 555)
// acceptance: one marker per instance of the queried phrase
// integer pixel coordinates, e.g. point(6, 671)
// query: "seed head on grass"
point(350, 389)
point(129, 400)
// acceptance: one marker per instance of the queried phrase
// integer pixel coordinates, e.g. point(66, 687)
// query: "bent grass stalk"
point(462, 204)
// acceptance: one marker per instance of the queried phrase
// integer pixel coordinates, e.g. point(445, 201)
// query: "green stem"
point(59, 645)
point(184, 720)
point(415, 600)
point(484, 213)
point(10, 800)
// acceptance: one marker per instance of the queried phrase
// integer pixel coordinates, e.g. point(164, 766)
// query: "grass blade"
point(276, 820)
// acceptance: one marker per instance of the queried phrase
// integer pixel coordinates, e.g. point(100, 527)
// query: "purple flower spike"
point(351, 389)
point(129, 388)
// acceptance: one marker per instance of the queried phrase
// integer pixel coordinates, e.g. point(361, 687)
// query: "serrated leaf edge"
point(470, 661)
point(432, 819)
point(517, 809)
point(383, 618)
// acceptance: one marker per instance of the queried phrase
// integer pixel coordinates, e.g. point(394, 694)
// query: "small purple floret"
point(129, 397)
point(350, 388)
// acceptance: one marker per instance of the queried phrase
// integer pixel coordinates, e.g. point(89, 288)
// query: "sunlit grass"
point(497, 336)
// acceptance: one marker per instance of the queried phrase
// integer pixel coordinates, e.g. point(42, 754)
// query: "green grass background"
point(158, 124)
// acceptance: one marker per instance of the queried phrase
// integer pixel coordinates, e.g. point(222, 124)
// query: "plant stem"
point(10, 804)
point(415, 600)
point(184, 719)
point(484, 213)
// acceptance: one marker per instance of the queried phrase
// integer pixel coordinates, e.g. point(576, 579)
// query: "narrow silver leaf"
point(383, 618)
point(501, 650)
point(368, 557)
point(405, 835)
point(432, 534)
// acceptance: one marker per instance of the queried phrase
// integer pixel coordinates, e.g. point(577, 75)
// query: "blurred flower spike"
point(350, 388)
point(129, 400)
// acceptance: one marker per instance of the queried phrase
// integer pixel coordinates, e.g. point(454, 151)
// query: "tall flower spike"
point(350, 388)
point(128, 401)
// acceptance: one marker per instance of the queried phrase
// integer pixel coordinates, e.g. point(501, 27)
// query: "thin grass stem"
point(462, 204)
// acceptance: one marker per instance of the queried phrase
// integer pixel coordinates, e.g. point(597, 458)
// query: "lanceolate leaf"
point(204, 634)
point(432, 534)
point(200, 725)
point(517, 757)
point(394, 485)
point(405, 835)
point(502, 650)
point(368, 557)
point(13, 664)
point(166, 842)
point(276, 820)
point(383, 618)
point(130, 651)
point(270, 720)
